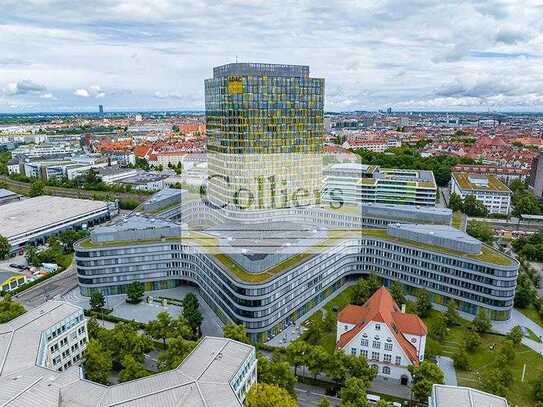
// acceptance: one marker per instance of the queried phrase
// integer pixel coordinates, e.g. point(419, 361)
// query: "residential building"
point(448, 396)
point(265, 130)
point(359, 183)
point(144, 181)
point(375, 145)
point(269, 271)
point(14, 166)
point(34, 220)
point(488, 189)
point(40, 352)
point(505, 174)
point(110, 175)
point(380, 331)
point(7, 196)
point(535, 181)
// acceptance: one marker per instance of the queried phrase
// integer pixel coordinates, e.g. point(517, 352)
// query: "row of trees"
point(469, 205)
point(523, 201)
point(408, 157)
point(530, 247)
point(57, 247)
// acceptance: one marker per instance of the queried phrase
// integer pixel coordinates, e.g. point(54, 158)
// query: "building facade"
point(535, 181)
point(488, 189)
point(386, 336)
point(360, 183)
point(268, 292)
point(264, 126)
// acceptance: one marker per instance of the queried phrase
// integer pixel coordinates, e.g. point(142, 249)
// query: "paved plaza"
point(144, 312)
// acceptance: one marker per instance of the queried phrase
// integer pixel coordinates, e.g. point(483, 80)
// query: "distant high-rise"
point(265, 134)
point(100, 109)
point(535, 180)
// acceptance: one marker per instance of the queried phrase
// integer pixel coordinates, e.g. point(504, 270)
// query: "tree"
point(93, 328)
point(538, 389)
point(314, 332)
point(337, 367)
point(182, 328)
point(354, 393)
point(481, 323)
point(97, 362)
point(97, 301)
point(132, 369)
point(438, 329)
point(361, 292)
point(423, 305)
point(397, 292)
point(461, 359)
point(134, 292)
point(269, 395)
point(324, 402)
point(451, 315)
point(124, 339)
point(526, 205)
point(297, 353)
point(31, 255)
point(36, 189)
point(515, 335)
point(455, 202)
point(374, 283)
point(9, 309)
point(472, 340)
point(382, 403)
point(358, 367)
point(236, 332)
point(481, 230)
point(162, 327)
point(191, 312)
point(317, 360)
point(5, 247)
point(424, 377)
point(278, 373)
point(178, 349)
point(474, 207)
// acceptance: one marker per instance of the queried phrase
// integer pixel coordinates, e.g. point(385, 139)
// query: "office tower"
point(100, 109)
point(264, 127)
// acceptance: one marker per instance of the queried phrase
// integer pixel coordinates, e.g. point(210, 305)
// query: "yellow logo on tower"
point(235, 85)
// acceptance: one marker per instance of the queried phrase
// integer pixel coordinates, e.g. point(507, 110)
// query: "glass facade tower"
point(265, 134)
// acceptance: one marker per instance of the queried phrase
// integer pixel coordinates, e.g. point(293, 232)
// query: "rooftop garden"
point(494, 184)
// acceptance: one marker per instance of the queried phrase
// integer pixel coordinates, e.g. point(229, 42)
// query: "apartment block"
point(488, 189)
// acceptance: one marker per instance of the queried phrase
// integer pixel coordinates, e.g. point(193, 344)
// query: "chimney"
point(403, 308)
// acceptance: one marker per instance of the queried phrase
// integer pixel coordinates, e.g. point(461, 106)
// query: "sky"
point(64, 55)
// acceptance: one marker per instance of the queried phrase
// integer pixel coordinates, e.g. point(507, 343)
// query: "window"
point(364, 342)
point(386, 370)
point(374, 355)
point(376, 345)
point(398, 360)
point(346, 327)
point(387, 358)
point(388, 346)
point(364, 353)
point(377, 327)
point(353, 351)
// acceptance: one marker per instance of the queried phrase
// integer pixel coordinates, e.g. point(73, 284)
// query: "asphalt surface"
point(311, 396)
point(56, 285)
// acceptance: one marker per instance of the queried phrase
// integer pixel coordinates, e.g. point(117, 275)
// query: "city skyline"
point(129, 56)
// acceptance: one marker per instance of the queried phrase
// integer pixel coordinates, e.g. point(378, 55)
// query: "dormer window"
point(414, 340)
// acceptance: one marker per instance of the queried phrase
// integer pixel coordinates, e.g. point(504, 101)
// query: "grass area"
point(457, 220)
point(494, 184)
point(519, 393)
point(531, 313)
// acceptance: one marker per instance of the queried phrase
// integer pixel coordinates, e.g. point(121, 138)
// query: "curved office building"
point(269, 274)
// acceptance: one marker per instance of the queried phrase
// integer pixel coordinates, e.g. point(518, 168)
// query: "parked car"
point(17, 266)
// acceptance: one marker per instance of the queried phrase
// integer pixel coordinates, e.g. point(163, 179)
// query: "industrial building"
point(447, 396)
point(34, 220)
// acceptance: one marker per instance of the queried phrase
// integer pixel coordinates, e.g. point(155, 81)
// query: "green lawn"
point(531, 313)
point(519, 394)
point(457, 219)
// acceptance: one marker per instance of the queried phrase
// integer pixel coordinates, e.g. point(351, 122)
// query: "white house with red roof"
point(387, 337)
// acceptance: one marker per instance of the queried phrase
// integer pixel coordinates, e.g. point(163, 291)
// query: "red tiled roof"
point(381, 307)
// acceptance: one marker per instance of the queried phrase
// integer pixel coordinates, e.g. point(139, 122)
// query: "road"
point(311, 396)
point(56, 285)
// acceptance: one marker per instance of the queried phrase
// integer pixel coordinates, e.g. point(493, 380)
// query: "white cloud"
point(23, 87)
point(84, 93)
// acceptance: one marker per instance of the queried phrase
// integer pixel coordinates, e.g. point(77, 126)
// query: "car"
point(17, 266)
point(372, 398)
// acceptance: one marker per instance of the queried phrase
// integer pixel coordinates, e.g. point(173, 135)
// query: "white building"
point(448, 396)
point(488, 189)
point(387, 337)
point(39, 349)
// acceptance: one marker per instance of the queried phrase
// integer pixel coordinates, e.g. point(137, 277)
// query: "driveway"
point(447, 367)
